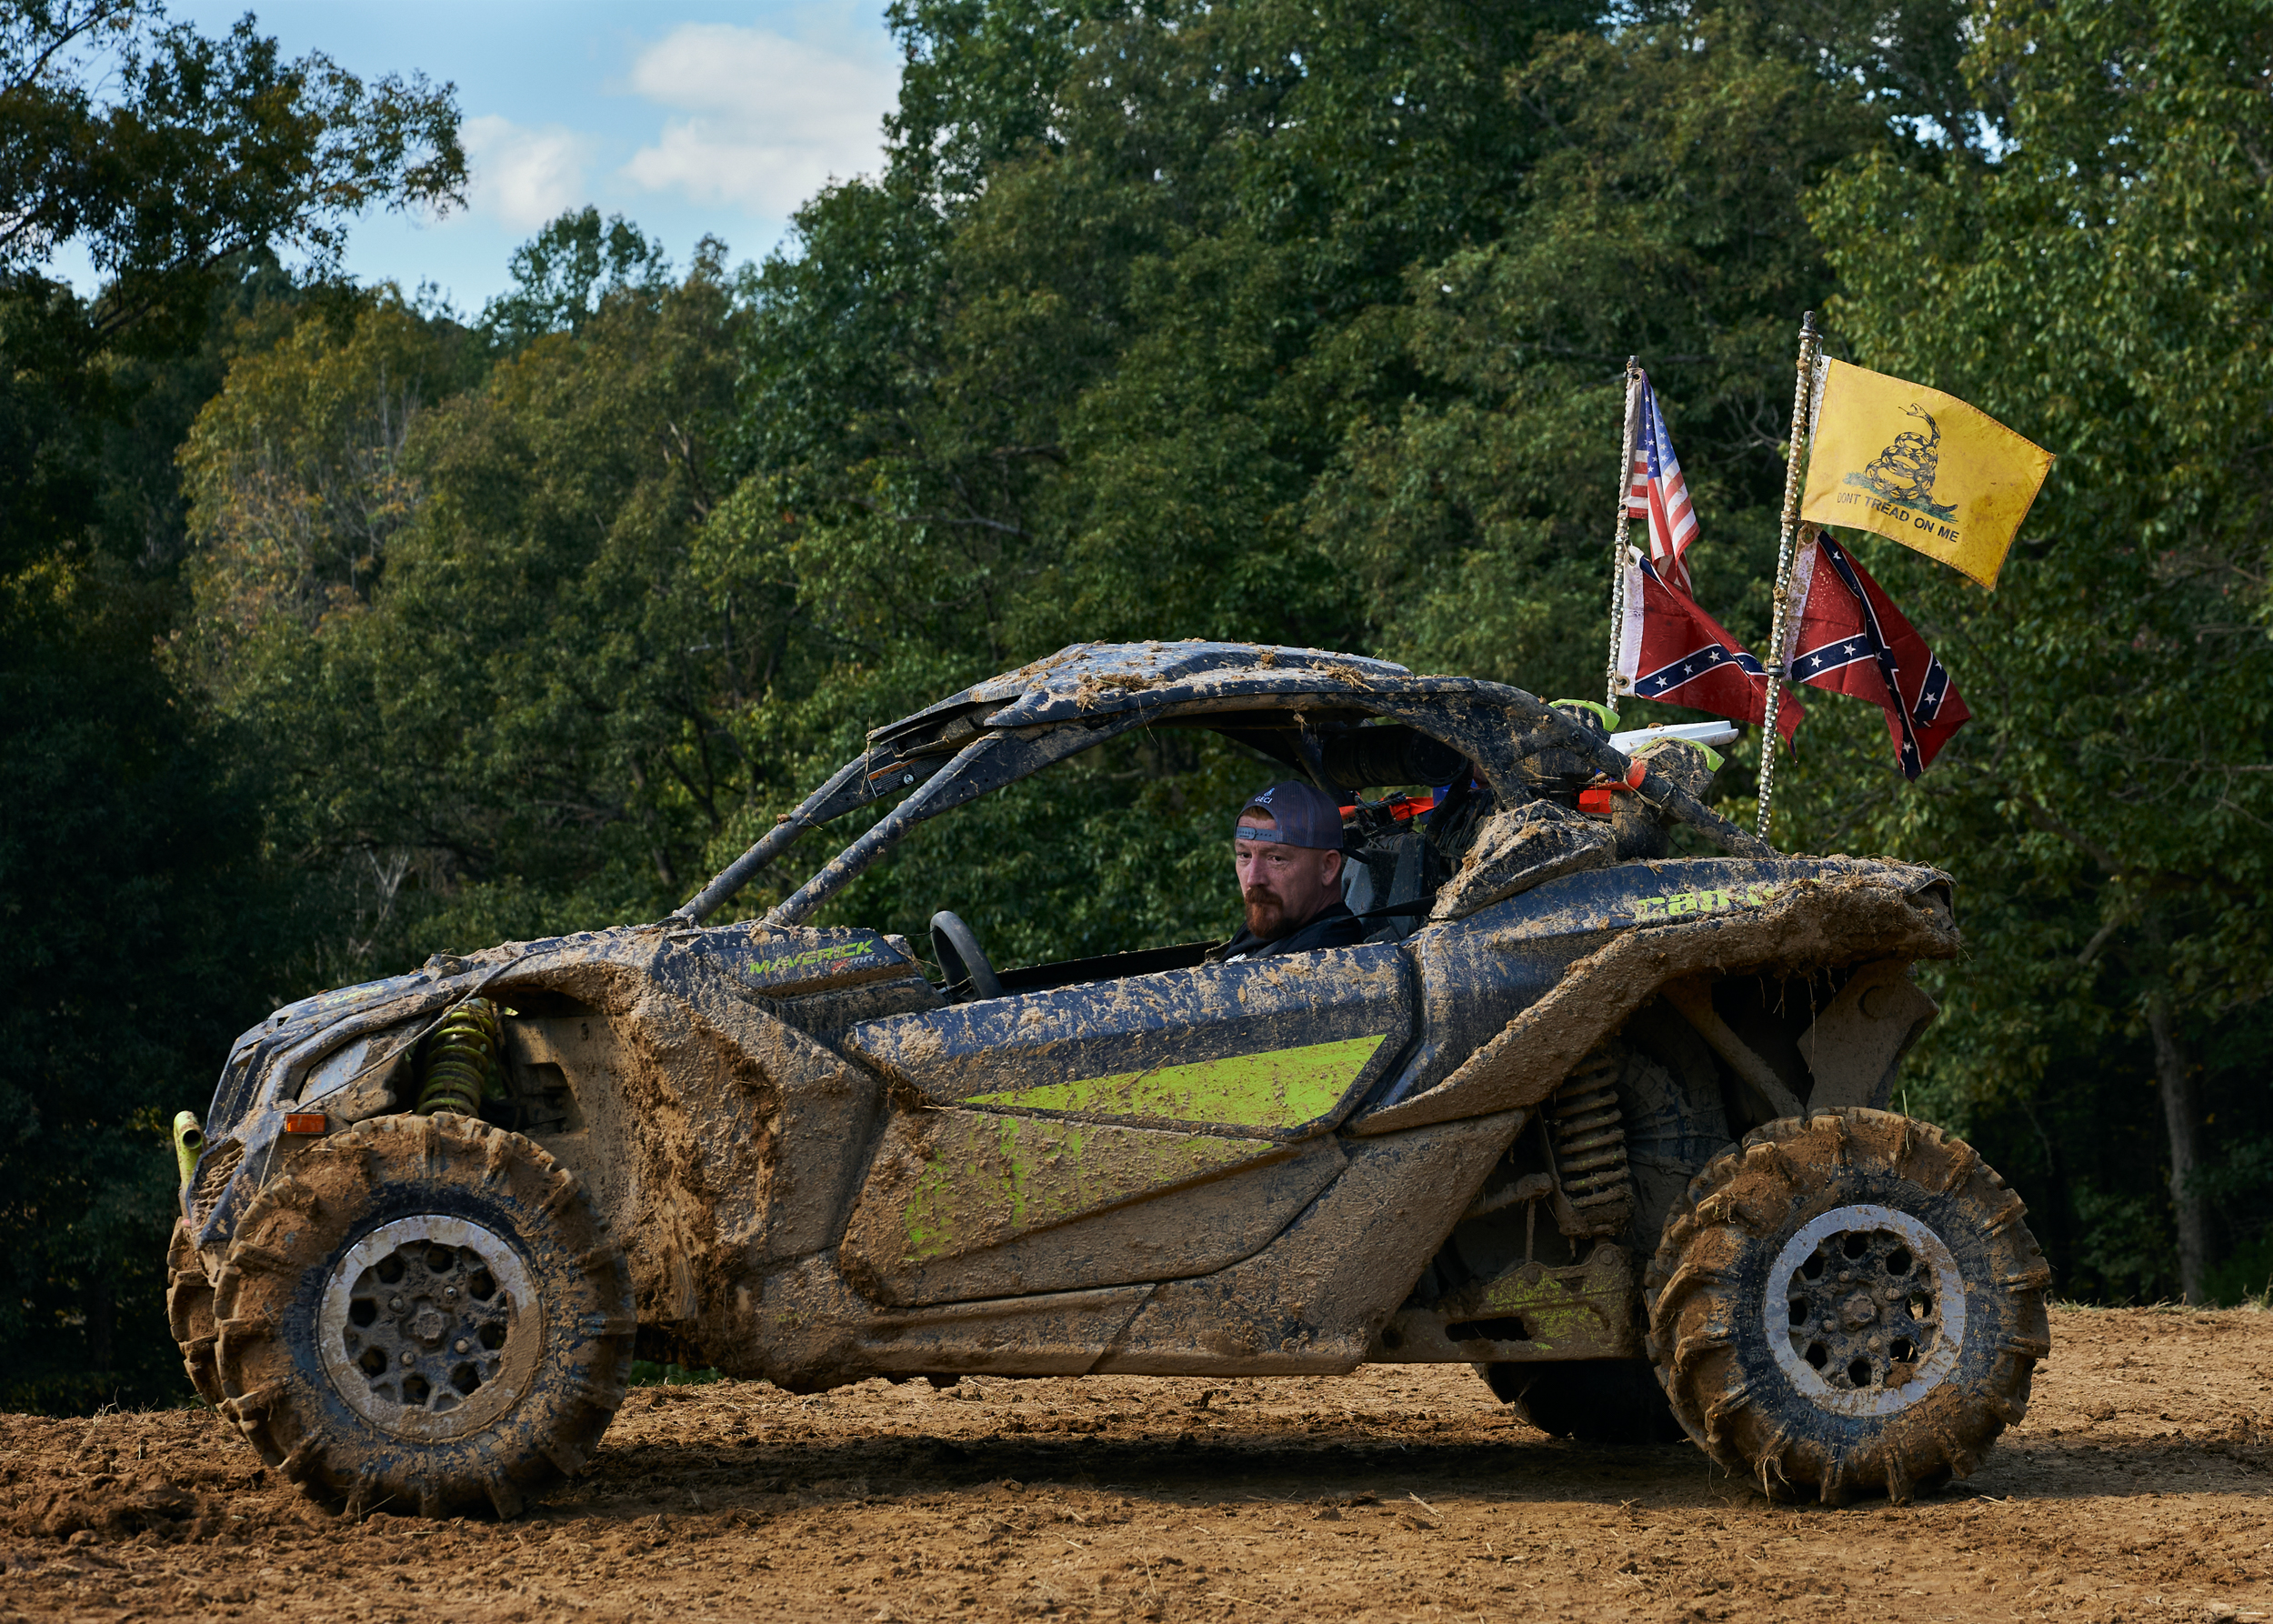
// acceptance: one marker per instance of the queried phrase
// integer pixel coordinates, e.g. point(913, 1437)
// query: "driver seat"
point(1386, 879)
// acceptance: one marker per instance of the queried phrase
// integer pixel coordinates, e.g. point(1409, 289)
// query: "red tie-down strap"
point(1596, 800)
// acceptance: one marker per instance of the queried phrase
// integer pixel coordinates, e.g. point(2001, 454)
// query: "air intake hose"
point(189, 1141)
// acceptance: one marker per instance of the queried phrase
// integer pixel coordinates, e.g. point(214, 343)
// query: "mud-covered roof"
point(1006, 728)
point(1086, 679)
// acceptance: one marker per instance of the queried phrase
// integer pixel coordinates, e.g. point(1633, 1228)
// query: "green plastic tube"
point(189, 1138)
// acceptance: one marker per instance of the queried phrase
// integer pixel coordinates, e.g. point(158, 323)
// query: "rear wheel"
point(1847, 1304)
point(1594, 1401)
point(423, 1313)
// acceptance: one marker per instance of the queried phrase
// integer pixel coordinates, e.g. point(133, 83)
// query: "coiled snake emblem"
point(1904, 471)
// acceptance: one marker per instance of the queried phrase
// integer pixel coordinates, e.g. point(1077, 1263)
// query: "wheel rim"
point(430, 1326)
point(1864, 1311)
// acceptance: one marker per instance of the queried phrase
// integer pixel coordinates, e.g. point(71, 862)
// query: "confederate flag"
point(1671, 650)
point(1850, 638)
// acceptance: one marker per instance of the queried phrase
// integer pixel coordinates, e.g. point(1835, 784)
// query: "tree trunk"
point(2182, 1116)
point(2057, 1228)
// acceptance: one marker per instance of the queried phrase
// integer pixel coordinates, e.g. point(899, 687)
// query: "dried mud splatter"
point(2137, 1488)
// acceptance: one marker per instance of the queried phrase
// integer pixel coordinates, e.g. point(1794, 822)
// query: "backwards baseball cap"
point(1301, 815)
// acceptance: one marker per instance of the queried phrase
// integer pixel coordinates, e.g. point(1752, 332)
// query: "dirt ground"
point(2137, 1488)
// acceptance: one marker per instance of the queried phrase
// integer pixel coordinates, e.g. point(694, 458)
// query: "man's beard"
point(1266, 914)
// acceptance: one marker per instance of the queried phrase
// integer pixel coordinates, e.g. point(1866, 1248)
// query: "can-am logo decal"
point(1674, 904)
point(810, 957)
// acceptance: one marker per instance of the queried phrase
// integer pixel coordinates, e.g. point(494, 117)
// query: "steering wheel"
point(961, 959)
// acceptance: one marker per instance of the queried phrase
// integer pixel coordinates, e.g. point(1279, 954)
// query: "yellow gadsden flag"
point(1920, 466)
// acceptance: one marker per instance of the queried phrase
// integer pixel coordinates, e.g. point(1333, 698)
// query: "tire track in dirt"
point(2137, 1488)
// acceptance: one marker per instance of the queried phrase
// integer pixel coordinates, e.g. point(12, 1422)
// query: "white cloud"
point(520, 175)
point(771, 120)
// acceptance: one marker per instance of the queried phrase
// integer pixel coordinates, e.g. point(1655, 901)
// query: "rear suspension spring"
point(1590, 1144)
point(461, 1062)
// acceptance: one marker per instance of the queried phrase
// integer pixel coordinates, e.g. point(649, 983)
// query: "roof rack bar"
point(772, 844)
point(948, 787)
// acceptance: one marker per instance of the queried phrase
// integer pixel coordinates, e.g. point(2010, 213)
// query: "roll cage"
point(1343, 720)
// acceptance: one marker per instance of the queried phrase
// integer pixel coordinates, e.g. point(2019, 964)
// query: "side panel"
point(1277, 1048)
point(1513, 998)
point(1480, 972)
point(974, 1204)
point(1309, 1302)
point(1313, 1300)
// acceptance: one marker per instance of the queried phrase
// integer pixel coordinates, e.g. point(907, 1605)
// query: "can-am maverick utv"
point(1608, 1124)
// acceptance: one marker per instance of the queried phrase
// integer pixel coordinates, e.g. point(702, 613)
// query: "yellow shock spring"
point(1590, 1140)
point(461, 1063)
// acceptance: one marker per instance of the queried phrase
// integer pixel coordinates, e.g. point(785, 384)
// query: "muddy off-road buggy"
point(1608, 1124)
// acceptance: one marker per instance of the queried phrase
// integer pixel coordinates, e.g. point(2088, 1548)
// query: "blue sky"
point(686, 118)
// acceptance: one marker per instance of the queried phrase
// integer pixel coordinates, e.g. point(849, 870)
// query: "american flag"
point(1659, 493)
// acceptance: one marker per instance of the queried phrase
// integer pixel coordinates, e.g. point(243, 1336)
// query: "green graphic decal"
point(1278, 1088)
point(832, 955)
point(1579, 1310)
point(990, 1179)
point(1674, 903)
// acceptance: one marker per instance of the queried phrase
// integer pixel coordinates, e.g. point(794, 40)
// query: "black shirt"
point(1336, 927)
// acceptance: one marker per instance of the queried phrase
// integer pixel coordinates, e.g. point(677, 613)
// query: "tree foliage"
point(564, 274)
point(2103, 283)
point(1298, 323)
point(143, 924)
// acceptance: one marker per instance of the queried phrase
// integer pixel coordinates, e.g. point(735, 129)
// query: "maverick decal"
point(865, 950)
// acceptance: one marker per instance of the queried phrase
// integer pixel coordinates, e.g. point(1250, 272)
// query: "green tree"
point(130, 873)
point(1663, 218)
point(295, 470)
point(2101, 285)
point(564, 274)
point(462, 615)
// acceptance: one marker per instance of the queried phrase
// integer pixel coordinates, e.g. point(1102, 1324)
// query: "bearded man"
point(1286, 850)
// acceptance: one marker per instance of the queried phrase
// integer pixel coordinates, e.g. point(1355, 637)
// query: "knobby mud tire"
point(189, 1314)
point(561, 1306)
point(1591, 1401)
point(1709, 1293)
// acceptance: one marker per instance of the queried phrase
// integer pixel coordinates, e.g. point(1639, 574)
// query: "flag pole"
point(1618, 547)
point(1810, 345)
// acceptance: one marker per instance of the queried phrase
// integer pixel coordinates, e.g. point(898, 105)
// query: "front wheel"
point(1846, 1305)
point(423, 1313)
point(189, 1314)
